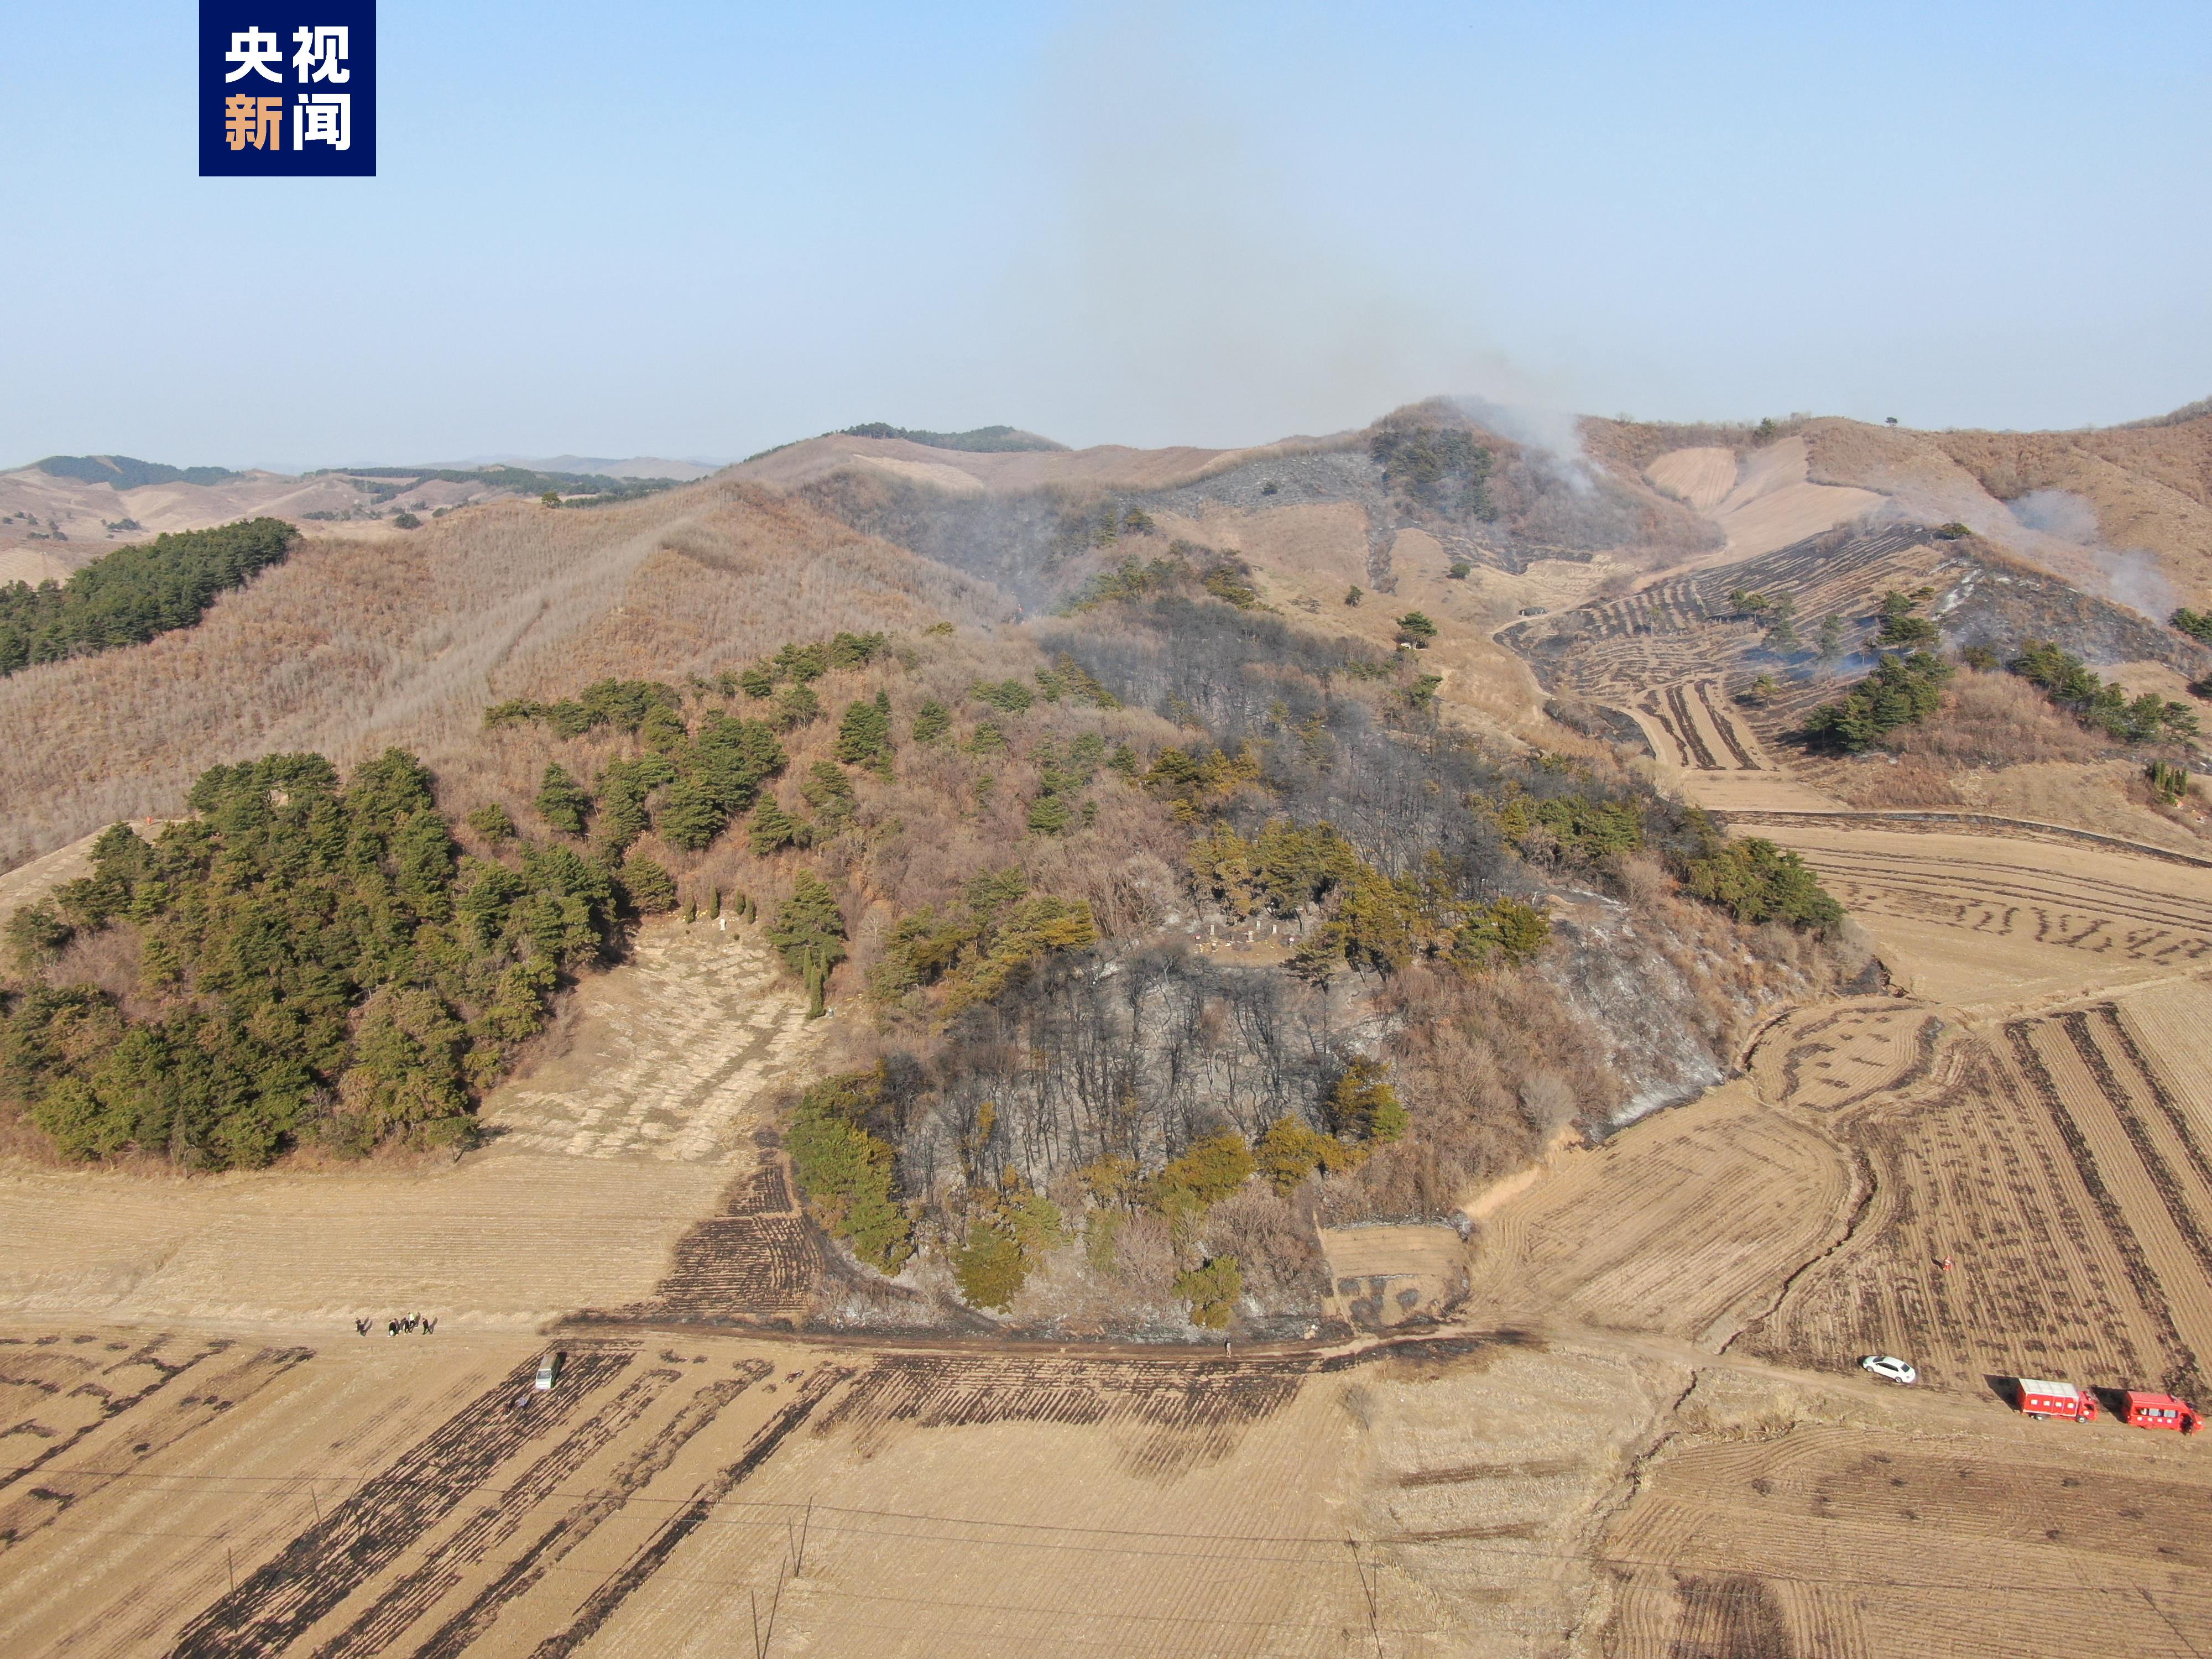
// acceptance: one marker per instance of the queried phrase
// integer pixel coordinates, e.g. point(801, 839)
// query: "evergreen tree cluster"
point(128, 595)
point(625, 705)
point(975, 946)
point(1187, 567)
point(2101, 705)
point(2197, 624)
point(322, 964)
point(864, 735)
point(1902, 689)
point(849, 1176)
point(1440, 467)
point(687, 784)
point(796, 664)
point(810, 936)
point(1755, 881)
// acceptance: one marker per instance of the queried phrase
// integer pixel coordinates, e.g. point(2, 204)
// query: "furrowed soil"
point(2003, 1172)
point(353, 1496)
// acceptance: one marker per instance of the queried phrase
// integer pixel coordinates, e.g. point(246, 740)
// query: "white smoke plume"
point(2055, 530)
point(2058, 528)
point(1552, 433)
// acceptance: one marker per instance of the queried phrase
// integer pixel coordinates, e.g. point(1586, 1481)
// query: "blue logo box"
point(288, 90)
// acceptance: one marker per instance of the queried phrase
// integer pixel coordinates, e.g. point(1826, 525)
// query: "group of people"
point(410, 1322)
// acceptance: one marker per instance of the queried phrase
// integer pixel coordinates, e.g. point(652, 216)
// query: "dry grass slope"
point(350, 646)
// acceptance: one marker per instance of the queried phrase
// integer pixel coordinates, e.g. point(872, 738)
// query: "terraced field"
point(1694, 726)
point(1650, 651)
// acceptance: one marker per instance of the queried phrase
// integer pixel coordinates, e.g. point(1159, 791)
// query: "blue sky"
point(696, 229)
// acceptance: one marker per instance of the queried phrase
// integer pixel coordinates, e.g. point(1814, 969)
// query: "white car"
point(1890, 1370)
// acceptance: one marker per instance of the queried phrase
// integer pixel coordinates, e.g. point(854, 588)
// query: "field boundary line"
point(1863, 1187)
point(2023, 829)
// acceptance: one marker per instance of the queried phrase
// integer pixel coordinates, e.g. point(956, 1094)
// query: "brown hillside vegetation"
point(2151, 485)
point(349, 646)
point(2145, 487)
point(2085, 505)
point(1105, 466)
point(1065, 1005)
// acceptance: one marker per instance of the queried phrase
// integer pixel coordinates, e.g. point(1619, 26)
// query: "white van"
point(548, 1372)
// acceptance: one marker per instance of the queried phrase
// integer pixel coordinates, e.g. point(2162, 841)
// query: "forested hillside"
point(348, 648)
point(133, 594)
point(1168, 928)
point(1158, 932)
point(297, 963)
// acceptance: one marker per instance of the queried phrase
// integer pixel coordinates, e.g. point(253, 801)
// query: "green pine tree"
point(689, 816)
point(864, 735)
point(773, 829)
point(829, 793)
point(652, 889)
point(562, 801)
point(809, 935)
point(1415, 629)
point(931, 721)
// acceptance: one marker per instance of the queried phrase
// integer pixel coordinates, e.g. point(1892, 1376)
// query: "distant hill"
point(125, 473)
point(636, 466)
point(982, 441)
point(355, 642)
point(58, 514)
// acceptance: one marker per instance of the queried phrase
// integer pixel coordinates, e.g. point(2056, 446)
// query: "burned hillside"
point(1487, 499)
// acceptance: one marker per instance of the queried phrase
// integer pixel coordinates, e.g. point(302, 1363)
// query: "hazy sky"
point(701, 229)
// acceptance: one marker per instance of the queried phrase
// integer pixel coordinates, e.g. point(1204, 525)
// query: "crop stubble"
point(403, 1497)
point(1861, 1542)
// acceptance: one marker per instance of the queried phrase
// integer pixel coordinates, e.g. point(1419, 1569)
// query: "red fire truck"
point(2041, 1398)
point(2159, 1410)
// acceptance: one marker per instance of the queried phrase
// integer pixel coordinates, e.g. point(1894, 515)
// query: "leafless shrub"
point(1275, 1246)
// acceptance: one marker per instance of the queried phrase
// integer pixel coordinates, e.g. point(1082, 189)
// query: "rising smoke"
point(1551, 433)
point(2059, 530)
point(1195, 290)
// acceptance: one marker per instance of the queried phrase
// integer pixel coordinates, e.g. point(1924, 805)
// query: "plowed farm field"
point(1675, 1225)
point(2044, 1207)
point(1989, 920)
point(1871, 1539)
point(2009, 1173)
point(688, 1494)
